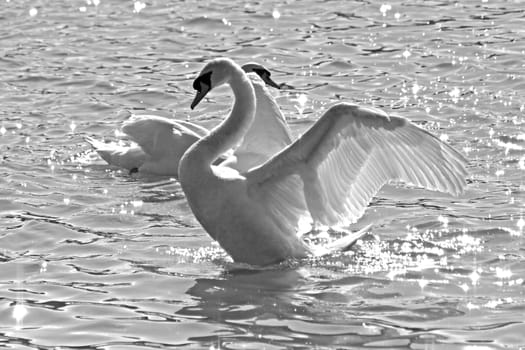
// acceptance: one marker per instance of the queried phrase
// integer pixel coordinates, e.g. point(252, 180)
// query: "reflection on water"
point(93, 257)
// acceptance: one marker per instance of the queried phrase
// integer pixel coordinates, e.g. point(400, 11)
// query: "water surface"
point(91, 257)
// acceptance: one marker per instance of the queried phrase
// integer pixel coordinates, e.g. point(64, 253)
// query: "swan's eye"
point(204, 79)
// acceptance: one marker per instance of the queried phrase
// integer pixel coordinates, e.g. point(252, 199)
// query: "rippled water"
point(94, 258)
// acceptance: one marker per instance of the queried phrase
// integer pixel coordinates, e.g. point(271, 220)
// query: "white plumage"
point(329, 175)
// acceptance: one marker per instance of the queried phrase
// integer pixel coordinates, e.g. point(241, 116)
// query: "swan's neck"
point(231, 130)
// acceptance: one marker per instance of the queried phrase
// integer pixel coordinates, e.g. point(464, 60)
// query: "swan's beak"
point(269, 81)
point(199, 96)
point(203, 85)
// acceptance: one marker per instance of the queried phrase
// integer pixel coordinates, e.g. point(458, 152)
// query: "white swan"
point(328, 175)
point(159, 142)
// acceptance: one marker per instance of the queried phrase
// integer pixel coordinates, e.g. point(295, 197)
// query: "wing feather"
point(336, 167)
point(269, 132)
point(158, 136)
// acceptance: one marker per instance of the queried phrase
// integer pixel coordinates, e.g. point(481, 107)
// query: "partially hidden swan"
point(159, 142)
point(328, 176)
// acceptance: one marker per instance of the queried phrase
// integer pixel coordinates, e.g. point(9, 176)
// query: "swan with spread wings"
point(327, 176)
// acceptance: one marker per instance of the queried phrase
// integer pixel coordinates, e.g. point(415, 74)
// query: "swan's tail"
point(105, 150)
point(96, 144)
point(346, 242)
point(341, 244)
point(128, 157)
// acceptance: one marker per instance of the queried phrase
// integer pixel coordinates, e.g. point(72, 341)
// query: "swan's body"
point(159, 142)
point(329, 175)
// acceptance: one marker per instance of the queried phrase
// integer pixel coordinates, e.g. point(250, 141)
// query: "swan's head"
point(262, 72)
point(215, 73)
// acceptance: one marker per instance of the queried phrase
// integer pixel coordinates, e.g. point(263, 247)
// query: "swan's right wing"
point(336, 167)
point(159, 136)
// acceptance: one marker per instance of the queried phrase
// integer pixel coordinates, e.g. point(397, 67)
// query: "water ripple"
point(117, 261)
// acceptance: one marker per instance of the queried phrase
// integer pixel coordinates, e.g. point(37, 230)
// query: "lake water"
point(93, 258)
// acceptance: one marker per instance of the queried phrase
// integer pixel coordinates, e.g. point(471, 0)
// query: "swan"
point(159, 142)
point(327, 176)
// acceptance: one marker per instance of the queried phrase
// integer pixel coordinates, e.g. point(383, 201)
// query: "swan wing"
point(201, 131)
point(159, 136)
point(269, 132)
point(335, 168)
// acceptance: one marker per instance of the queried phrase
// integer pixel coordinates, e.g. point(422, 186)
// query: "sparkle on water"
point(116, 260)
point(19, 313)
point(138, 6)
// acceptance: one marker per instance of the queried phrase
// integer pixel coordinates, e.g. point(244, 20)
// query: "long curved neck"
point(231, 130)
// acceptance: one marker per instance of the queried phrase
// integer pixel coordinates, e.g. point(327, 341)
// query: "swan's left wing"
point(158, 136)
point(335, 168)
point(269, 132)
point(201, 131)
